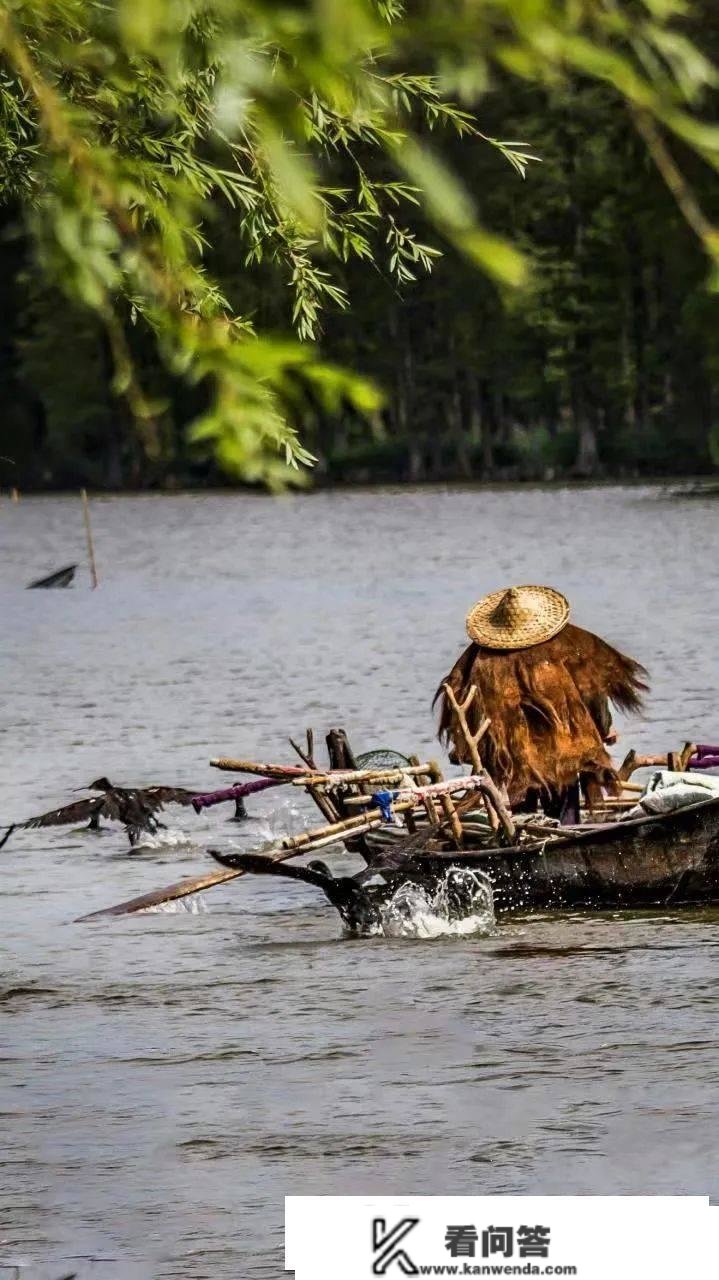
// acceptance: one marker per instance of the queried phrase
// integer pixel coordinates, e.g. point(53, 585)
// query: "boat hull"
point(667, 860)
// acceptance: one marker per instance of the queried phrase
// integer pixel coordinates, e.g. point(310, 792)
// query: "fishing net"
point(381, 758)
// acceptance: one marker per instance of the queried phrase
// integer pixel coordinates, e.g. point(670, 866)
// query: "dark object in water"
point(61, 578)
point(7, 835)
point(358, 906)
point(669, 859)
point(134, 807)
point(240, 814)
point(361, 905)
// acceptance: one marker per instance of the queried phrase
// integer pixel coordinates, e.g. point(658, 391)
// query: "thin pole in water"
point(15, 495)
point(90, 544)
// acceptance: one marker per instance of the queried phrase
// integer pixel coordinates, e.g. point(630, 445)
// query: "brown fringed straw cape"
point(548, 707)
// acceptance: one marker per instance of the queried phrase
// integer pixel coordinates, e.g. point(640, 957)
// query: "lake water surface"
point(166, 1079)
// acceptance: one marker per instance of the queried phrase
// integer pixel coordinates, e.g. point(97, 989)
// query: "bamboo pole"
point(472, 739)
point(633, 761)
point(300, 777)
point(88, 535)
point(323, 801)
point(429, 809)
point(429, 805)
point(496, 808)
point(446, 804)
point(289, 771)
point(352, 777)
point(15, 495)
point(685, 755)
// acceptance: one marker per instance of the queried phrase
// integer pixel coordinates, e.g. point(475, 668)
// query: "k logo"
point(385, 1245)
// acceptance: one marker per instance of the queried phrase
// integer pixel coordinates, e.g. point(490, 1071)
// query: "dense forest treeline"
point(607, 364)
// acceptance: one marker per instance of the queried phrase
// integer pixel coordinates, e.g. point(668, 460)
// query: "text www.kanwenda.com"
point(494, 1269)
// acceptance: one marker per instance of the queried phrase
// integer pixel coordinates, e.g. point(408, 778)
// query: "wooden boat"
point(669, 859)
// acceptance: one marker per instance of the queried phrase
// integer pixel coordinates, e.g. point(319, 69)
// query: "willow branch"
point(677, 184)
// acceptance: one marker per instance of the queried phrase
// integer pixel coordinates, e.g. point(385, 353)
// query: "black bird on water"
point(135, 807)
point(358, 906)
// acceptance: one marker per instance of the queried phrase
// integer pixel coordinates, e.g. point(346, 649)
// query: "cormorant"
point(240, 814)
point(358, 906)
point(134, 807)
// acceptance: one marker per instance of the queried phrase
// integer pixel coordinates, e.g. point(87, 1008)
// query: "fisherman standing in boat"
point(546, 688)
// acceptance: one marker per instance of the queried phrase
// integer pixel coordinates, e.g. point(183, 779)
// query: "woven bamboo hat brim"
point(518, 617)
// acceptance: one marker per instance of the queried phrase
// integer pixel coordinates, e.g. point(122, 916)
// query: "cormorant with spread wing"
point(359, 907)
point(362, 904)
point(134, 807)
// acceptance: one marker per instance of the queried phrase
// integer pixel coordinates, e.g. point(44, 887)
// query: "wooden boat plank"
point(645, 861)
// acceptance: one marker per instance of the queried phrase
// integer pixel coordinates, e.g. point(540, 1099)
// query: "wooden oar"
point(290, 847)
point(181, 889)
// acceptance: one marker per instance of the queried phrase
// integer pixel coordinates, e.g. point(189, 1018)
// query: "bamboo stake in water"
point(15, 495)
point(88, 532)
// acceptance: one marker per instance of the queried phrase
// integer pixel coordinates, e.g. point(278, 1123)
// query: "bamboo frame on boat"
point(265, 770)
point(497, 810)
point(300, 777)
point(359, 776)
point(324, 803)
point(446, 804)
point(633, 761)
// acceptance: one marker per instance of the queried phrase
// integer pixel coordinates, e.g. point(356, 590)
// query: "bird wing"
point(78, 811)
point(259, 864)
point(159, 796)
point(346, 895)
point(109, 805)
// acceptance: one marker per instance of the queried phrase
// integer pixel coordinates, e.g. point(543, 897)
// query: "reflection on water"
point(166, 1079)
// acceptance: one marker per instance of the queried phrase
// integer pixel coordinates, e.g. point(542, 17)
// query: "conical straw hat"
point(517, 617)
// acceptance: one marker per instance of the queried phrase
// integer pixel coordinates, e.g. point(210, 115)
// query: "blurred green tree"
point(127, 123)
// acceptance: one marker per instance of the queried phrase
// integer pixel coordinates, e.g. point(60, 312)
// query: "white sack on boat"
point(667, 791)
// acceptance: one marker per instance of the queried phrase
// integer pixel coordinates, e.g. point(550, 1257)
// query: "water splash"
point(165, 838)
point(263, 830)
point(286, 819)
point(193, 905)
point(462, 904)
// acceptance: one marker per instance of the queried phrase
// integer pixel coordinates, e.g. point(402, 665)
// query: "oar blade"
point(171, 893)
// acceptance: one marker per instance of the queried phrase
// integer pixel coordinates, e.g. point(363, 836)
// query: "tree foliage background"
point(241, 237)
